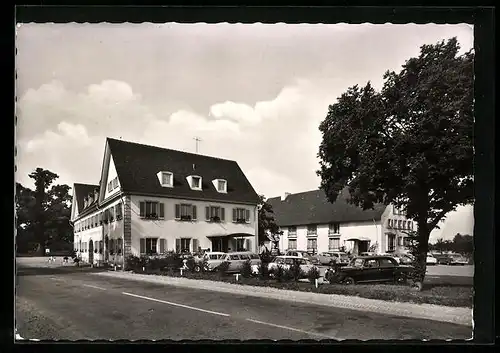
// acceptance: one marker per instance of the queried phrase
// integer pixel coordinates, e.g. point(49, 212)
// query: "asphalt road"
point(75, 304)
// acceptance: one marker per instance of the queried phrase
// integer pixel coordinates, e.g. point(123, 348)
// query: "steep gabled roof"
point(137, 166)
point(81, 191)
point(312, 207)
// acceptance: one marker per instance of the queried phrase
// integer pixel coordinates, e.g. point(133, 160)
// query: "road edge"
point(455, 315)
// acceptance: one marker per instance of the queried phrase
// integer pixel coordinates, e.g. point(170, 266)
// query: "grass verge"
point(445, 295)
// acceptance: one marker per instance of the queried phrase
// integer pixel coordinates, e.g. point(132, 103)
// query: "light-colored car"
point(237, 259)
point(287, 261)
point(333, 257)
point(213, 259)
point(457, 259)
point(431, 260)
point(303, 255)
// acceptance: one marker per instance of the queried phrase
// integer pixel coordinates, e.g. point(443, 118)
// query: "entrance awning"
point(233, 235)
point(359, 239)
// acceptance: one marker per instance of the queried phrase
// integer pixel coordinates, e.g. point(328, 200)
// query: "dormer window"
point(220, 185)
point(166, 179)
point(194, 182)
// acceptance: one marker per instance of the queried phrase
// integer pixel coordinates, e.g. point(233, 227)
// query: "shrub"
point(263, 271)
point(246, 269)
point(190, 264)
point(296, 272)
point(223, 268)
point(313, 274)
point(332, 275)
point(279, 273)
point(134, 263)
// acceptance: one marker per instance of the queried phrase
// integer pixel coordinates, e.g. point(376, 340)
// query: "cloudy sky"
point(252, 93)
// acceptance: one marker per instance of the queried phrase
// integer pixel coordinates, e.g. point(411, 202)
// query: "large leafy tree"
point(410, 144)
point(266, 221)
point(43, 214)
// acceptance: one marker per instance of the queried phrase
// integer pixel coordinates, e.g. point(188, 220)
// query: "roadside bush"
point(263, 271)
point(190, 264)
point(313, 274)
point(135, 263)
point(295, 271)
point(279, 273)
point(246, 269)
point(223, 268)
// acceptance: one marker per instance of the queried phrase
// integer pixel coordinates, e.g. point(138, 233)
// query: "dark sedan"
point(364, 269)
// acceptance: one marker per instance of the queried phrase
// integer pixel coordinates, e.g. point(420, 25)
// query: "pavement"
point(81, 303)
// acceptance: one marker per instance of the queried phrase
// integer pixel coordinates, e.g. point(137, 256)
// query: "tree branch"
point(436, 220)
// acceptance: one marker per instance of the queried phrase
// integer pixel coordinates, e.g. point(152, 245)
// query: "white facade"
point(352, 237)
point(92, 228)
point(200, 230)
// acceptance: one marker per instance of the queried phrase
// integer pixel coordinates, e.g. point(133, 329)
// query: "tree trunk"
point(422, 249)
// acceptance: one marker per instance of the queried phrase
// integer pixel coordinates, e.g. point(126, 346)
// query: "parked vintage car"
point(403, 259)
point(431, 260)
point(367, 254)
point(373, 269)
point(212, 260)
point(304, 255)
point(237, 259)
point(451, 259)
point(333, 257)
point(287, 261)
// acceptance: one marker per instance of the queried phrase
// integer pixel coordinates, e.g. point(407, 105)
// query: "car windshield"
point(244, 256)
point(254, 256)
point(215, 257)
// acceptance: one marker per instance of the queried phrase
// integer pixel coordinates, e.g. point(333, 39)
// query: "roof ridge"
point(298, 193)
point(169, 149)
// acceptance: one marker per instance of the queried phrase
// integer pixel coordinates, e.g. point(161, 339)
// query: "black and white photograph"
point(197, 181)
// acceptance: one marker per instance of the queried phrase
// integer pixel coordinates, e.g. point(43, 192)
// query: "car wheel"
point(348, 281)
point(417, 286)
point(400, 279)
point(197, 268)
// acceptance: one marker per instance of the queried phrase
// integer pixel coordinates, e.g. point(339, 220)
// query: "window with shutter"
point(177, 211)
point(161, 210)
point(162, 245)
point(222, 214)
point(112, 249)
point(235, 214)
point(247, 216)
point(194, 212)
point(142, 209)
point(207, 213)
point(247, 245)
point(177, 245)
point(143, 246)
point(195, 245)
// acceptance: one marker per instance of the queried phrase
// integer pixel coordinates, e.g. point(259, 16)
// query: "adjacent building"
point(310, 222)
point(151, 200)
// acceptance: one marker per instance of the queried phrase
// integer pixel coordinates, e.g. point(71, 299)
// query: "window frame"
point(312, 229)
point(334, 228)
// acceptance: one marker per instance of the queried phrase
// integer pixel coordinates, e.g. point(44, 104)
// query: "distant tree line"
point(462, 244)
point(43, 214)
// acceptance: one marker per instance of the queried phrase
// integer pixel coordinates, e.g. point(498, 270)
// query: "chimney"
point(284, 196)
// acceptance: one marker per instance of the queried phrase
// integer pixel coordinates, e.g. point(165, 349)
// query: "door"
point(362, 246)
point(91, 251)
point(386, 269)
point(370, 271)
point(234, 263)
